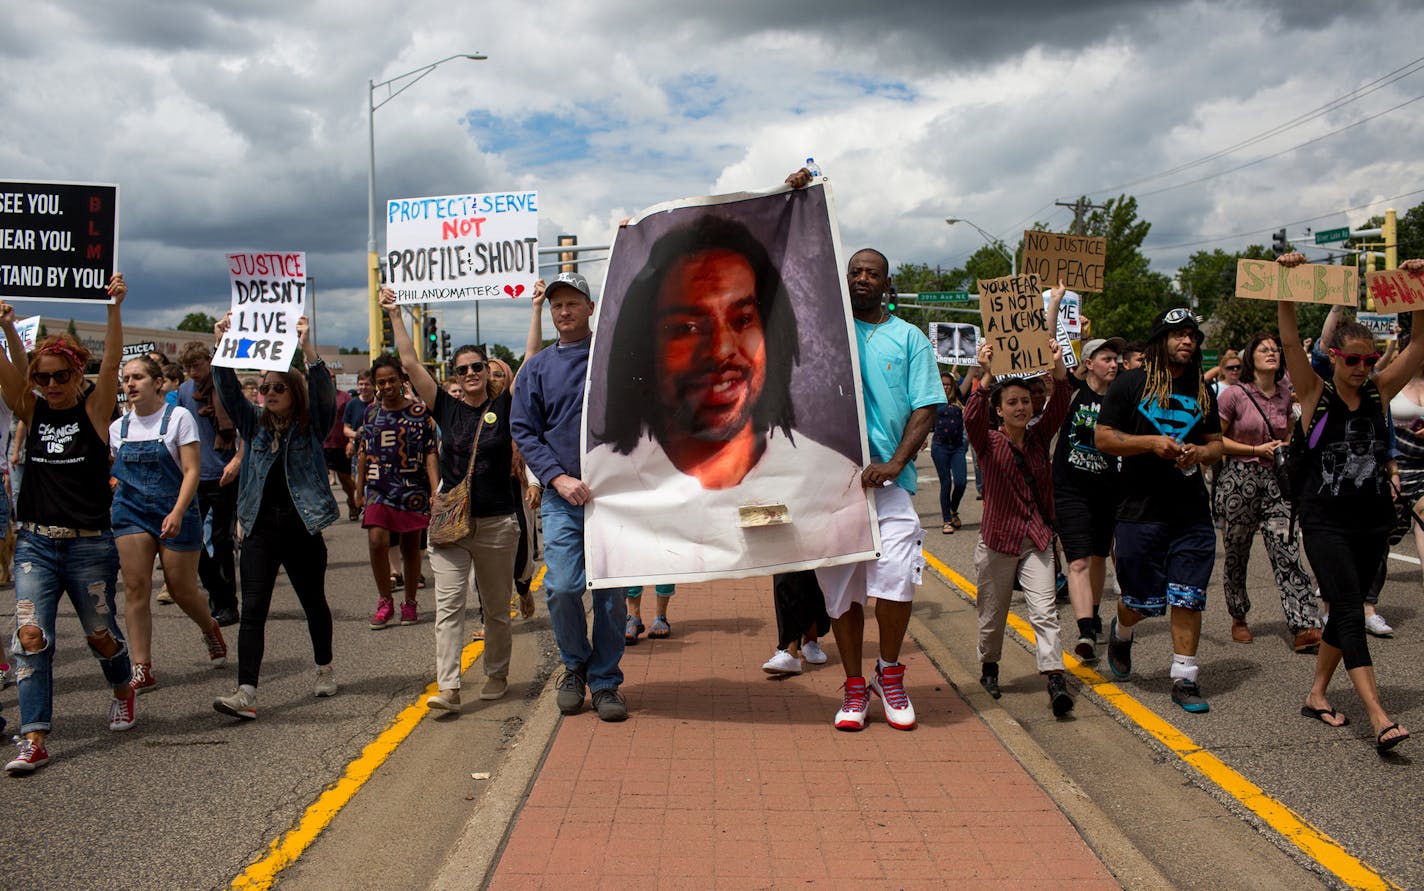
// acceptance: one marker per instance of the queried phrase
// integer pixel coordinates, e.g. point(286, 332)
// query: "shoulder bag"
point(450, 518)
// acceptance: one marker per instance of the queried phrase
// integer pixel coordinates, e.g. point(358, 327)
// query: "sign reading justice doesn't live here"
point(268, 297)
point(463, 247)
point(58, 240)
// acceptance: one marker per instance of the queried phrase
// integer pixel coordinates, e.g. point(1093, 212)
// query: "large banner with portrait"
point(723, 426)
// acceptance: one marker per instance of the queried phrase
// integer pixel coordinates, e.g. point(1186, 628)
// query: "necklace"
point(884, 317)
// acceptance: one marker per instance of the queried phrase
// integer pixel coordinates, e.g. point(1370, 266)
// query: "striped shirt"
point(1013, 509)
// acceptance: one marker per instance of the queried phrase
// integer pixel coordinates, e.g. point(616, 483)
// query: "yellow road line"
point(261, 874)
point(1316, 845)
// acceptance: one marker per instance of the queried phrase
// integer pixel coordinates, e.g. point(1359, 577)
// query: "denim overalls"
point(149, 481)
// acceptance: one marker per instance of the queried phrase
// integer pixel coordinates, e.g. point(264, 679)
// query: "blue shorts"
point(1160, 566)
point(131, 520)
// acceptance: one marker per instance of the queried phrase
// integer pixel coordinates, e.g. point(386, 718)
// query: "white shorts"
point(898, 570)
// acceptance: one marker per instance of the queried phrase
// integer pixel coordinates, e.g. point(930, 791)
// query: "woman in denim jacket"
point(284, 500)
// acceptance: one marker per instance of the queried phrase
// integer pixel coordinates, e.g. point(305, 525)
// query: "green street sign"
point(1327, 236)
point(945, 296)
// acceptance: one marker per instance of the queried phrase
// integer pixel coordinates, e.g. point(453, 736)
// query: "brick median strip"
point(724, 774)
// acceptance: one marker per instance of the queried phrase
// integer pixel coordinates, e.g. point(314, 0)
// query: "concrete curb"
point(471, 862)
point(1124, 859)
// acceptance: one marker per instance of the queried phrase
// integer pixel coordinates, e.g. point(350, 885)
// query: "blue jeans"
point(564, 582)
point(87, 570)
point(953, 476)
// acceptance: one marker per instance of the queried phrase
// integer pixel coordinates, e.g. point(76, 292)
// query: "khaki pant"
point(1034, 571)
point(490, 548)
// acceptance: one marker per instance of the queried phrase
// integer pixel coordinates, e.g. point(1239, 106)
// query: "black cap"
point(1175, 320)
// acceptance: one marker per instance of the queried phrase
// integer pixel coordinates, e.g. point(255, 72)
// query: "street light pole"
point(991, 241)
point(373, 268)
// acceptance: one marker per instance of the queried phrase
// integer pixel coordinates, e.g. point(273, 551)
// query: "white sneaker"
point(444, 701)
point(325, 681)
point(782, 663)
point(240, 704)
point(1377, 626)
point(888, 683)
point(813, 653)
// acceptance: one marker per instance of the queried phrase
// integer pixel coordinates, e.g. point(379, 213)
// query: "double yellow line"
point(1316, 845)
point(261, 874)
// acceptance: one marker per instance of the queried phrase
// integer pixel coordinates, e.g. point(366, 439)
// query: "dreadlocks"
point(1159, 374)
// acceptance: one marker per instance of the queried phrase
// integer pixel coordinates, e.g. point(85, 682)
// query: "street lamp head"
point(477, 57)
point(952, 220)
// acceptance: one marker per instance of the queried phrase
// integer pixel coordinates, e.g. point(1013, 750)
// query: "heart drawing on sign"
point(514, 290)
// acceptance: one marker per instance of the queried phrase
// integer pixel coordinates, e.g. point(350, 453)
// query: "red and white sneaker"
point(217, 647)
point(31, 758)
point(853, 707)
point(143, 679)
point(121, 712)
point(385, 613)
point(889, 685)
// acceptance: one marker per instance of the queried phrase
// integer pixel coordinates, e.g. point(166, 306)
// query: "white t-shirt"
point(182, 429)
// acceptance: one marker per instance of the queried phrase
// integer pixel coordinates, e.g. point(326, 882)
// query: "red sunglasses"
point(1353, 359)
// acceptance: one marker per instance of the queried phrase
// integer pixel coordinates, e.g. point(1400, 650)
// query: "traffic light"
point(890, 298)
point(568, 260)
point(432, 337)
point(388, 336)
point(1278, 243)
point(445, 353)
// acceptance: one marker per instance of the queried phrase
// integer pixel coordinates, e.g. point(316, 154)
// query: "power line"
point(1259, 230)
point(1210, 176)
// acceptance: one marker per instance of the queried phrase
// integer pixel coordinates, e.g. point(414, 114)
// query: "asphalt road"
point(1333, 778)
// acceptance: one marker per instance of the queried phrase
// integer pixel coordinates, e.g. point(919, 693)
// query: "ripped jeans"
point(45, 568)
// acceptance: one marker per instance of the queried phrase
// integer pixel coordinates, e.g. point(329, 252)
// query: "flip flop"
point(1383, 745)
point(661, 629)
point(948, 529)
point(632, 630)
point(1320, 714)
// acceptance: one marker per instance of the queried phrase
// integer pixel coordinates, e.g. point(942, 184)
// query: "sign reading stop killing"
point(58, 241)
point(268, 296)
point(463, 247)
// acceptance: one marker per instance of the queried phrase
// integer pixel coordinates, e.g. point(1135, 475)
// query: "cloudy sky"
point(242, 124)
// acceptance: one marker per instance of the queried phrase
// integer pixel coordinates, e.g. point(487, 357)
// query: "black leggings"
point(800, 607)
point(1345, 562)
point(270, 546)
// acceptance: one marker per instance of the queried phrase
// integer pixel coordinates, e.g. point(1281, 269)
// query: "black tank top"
point(1348, 479)
point(66, 480)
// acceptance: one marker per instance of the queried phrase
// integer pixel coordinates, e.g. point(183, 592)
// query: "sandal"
point(1320, 714)
point(421, 584)
point(955, 521)
point(1383, 745)
point(526, 604)
point(632, 630)
point(948, 529)
point(397, 581)
point(661, 629)
point(478, 633)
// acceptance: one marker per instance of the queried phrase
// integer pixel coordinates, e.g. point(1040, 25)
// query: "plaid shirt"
point(1013, 509)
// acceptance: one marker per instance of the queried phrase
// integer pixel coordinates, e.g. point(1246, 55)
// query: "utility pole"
point(1080, 209)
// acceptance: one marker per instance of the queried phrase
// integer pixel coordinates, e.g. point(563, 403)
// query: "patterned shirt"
point(397, 444)
point(1014, 508)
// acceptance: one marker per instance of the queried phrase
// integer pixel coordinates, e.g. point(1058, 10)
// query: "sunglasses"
point(472, 368)
point(59, 377)
point(1231, 368)
point(1353, 359)
point(275, 387)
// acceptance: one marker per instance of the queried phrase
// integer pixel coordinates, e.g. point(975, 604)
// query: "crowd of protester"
point(1135, 459)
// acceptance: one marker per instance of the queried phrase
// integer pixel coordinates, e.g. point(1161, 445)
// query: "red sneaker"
point(889, 685)
point(143, 679)
point(410, 612)
point(385, 613)
point(853, 708)
point(121, 712)
point(217, 647)
point(31, 758)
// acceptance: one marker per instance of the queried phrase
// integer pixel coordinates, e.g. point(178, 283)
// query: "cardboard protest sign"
point(955, 343)
point(1016, 324)
point(58, 241)
point(1396, 289)
point(1306, 283)
point(463, 247)
point(1382, 324)
point(1079, 261)
point(725, 323)
point(268, 296)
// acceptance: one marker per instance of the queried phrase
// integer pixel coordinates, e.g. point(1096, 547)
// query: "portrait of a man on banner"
point(723, 433)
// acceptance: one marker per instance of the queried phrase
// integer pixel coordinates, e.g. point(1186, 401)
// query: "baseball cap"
point(1173, 320)
point(1115, 344)
point(572, 279)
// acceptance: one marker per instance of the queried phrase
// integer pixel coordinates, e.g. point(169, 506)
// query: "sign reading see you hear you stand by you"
point(463, 247)
point(268, 296)
point(1016, 325)
point(1306, 283)
point(57, 240)
point(1079, 261)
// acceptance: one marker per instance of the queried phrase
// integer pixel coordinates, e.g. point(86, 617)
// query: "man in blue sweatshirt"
point(546, 421)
